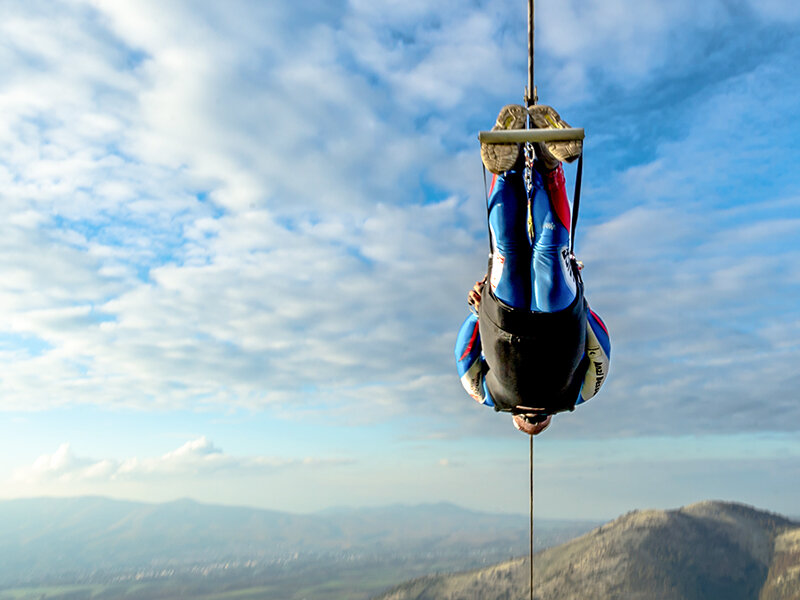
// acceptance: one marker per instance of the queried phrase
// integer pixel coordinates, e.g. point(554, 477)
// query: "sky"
point(237, 239)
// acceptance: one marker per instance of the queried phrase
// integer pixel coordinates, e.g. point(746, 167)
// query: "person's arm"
point(598, 349)
point(469, 360)
point(469, 356)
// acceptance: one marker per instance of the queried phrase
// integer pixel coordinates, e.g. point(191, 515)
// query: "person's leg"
point(553, 281)
point(511, 250)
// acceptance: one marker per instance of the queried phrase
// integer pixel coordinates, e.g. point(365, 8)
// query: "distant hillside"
point(43, 539)
point(706, 551)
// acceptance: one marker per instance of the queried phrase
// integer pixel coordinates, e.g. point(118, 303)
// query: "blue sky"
point(238, 236)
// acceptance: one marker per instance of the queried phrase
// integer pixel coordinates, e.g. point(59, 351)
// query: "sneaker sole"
point(499, 158)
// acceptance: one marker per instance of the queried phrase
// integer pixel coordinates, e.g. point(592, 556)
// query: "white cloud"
point(196, 458)
point(238, 306)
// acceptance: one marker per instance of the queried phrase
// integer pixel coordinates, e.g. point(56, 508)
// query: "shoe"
point(551, 153)
point(499, 158)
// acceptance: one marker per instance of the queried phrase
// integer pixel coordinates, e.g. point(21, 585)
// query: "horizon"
point(343, 508)
point(423, 505)
point(238, 241)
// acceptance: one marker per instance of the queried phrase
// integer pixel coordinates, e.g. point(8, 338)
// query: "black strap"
point(486, 193)
point(576, 202)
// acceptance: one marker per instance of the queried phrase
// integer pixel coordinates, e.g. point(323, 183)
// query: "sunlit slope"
point(706, 551)
point(783, 581)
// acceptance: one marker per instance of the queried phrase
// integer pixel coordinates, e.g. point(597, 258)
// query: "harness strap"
point(576, 202)
point(486, 193)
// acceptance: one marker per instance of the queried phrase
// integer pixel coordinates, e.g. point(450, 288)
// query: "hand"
point(474, 296)
point(525, 426)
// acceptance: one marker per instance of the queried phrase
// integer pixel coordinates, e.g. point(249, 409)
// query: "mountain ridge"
point(705, 551)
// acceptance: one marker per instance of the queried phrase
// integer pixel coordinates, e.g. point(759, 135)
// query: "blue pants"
point(531, 272)
point(530, 241)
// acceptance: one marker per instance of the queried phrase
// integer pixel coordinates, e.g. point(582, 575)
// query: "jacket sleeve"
point(598, 350)
point(469, 361)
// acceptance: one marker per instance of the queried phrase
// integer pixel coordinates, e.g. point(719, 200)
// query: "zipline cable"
point(530, 98)
point(531, 479)
point(530, 92)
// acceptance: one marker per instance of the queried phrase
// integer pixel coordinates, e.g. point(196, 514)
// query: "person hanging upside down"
point(531, 345)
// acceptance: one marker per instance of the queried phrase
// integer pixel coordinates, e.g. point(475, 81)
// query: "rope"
point(530, 462)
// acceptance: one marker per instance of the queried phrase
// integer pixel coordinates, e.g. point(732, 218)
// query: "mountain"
point(60, 538)
point(705, 551)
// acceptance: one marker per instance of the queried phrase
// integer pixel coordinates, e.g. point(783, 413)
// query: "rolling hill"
point(68, 539)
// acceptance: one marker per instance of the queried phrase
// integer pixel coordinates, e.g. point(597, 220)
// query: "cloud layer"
point(245, 206)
